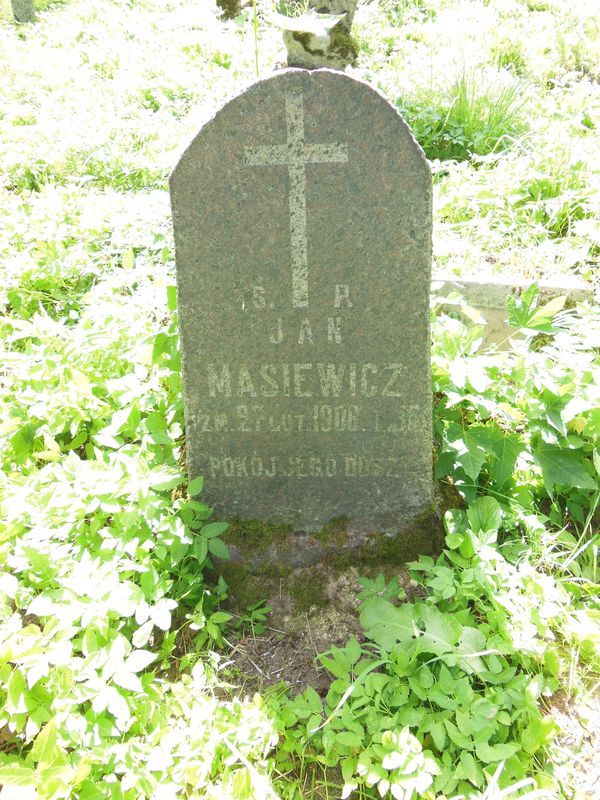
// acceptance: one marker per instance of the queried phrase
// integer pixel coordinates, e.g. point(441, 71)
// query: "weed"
point(479, 114)
point(439, 694)
point(399, 13)
point(510, 55)
point(557, 196)
point(292, 8)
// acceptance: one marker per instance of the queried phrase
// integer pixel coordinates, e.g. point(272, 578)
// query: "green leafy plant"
point(443, 690)
point(478, 114)
point(446, 694)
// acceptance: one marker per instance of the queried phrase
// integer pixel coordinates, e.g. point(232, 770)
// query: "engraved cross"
point(296, 154)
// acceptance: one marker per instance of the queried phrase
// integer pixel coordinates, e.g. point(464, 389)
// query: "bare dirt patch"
point(577, 748)
point(300, 629)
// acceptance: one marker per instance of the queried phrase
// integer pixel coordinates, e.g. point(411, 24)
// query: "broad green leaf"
point(338, 666)
point(455, 521)
point(142, 634)
point(465, 723)
point(139, 660)
point(200, 548)
point(469, 454)
point(219, 549)
point(489, 754)
point(468, 764)
point(456, 737)
point(457, 371)
point(596, 457)
point(127, 680)
point(161, 616)
point(520, 311)
point(506, 450)
point(441, 631)
point(172, 298)
point(386, 624)
point(539, 733)
point(313, 700)
point(163, 481)
point(18, 696)
point(60, 775)
point(353, 650)
point(214, 529)
point(546, 313)
point(562, 467)
point(438, 734)
point(426, 678)
point(445, 679)
point(477, 375)
point(349, 739)
point(195, 486)
point(471, 642)
point(9, 584)
point(17, 775)
point(107, 440)
point(45, 749)
point(454, 540)
point(472, 461)
point(314, 723)
point(484, 515)
point(416, 688)
point(220, 617)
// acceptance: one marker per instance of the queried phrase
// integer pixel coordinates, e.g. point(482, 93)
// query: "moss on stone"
point(255, 535)
point(245, 589)
point(267, 562)
point(305, 39)
point(343, 45)
point(307, 594)
point(334, 533)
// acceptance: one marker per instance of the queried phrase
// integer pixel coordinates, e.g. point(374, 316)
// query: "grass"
point(479, 114)
point(505, 84)
point(111, 677)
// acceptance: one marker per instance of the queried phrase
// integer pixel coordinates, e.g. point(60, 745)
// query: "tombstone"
point(23, 10)
point(313, 40)
point(230, 8)
point(302, 218)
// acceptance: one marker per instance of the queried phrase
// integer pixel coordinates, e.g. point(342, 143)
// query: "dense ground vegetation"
point(111, 631)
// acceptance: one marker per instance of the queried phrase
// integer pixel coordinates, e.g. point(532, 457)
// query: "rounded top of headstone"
point(340, 103)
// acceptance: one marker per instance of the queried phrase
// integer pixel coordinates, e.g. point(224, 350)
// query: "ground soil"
point(577, 748)
point(288, 649)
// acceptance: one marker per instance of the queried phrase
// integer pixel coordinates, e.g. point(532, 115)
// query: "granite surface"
point(302, 217)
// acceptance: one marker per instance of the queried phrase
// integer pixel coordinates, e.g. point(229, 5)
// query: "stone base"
point(274, 561)
point(489, 297)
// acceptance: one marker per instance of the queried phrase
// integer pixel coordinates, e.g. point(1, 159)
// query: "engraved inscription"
point(312, 465)
point(304, 380)
point(318, 418)
point(307, 332)
point(296, 154)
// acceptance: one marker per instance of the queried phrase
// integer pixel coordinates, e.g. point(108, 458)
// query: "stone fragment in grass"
point(23, 10)
point(321, 37)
